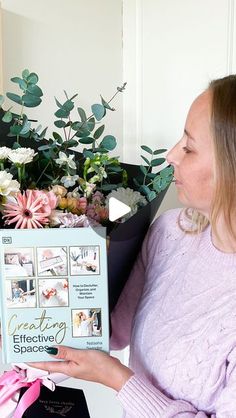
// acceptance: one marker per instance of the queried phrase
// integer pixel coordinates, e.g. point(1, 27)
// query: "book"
point(53, 290)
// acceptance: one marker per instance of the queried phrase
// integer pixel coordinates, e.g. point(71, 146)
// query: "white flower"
point(4, 152)
point(75, 221)
point(69, 181)
point(88, 188)
point(7, 185)
point(130, 198)
point(75, 193)
point(64, 160)
point(22, 155)
point(55, 217)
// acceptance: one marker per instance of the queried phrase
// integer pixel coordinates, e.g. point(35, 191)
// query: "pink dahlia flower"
point(28, 210)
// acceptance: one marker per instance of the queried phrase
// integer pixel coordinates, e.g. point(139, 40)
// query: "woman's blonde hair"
point(78, 318)
point(223, 126)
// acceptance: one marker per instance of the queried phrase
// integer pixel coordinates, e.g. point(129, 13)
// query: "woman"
point(84, 324)
point(178, 309)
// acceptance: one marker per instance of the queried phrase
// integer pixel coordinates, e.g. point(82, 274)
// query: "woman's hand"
point(92, 365)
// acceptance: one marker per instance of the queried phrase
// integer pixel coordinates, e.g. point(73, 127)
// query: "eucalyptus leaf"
point(15, 129)
point(25, 74)
point(74, 96)
point(66, 94)
point(2, 98)
point(99, 131)
point(58, 103)
point(14, 97)
point(151, 196)
point(145, 189)
point(143, 169)
point(43, 133)
point(145, 159)
point(159, 151)
point(60, 123)
point(147, 149)
point(70, 143)
point(44, 147)
point(57, 137)
point(35, 90)
point(68, 106)
point(167, 172)
point(98, 111)
point(82, 114)
point(31, 101)
point(157, 184)
point(27, 134)
point(82, 133)
point(16, 145)
point(106, 105)
point(157, 161)
point(22, 83)
point(62, 113)
point(7, 117)
point(86, 140)
point(25, 127)
point(90, 125)
point(116, 169)
point(151, 175)
point(38, 128)
point(101, 150)
point(76, 125)
point(88, 154)
point(16, 80)
point(32, 78)
point(108, 142)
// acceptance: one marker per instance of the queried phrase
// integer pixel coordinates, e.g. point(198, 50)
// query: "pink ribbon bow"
point(12, 381)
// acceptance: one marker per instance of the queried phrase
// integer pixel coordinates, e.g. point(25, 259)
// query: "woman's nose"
point(172, 156)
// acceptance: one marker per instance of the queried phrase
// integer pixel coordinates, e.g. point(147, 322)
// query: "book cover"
point(54, 290)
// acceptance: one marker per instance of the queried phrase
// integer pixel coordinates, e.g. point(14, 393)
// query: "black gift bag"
point(63, 402)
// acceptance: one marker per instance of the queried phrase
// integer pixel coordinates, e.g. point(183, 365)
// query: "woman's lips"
point(177, 182)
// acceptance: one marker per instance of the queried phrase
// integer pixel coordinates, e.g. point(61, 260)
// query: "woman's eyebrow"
point(188, 134)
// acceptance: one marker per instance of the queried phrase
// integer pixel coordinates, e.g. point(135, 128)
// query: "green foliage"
point(150, 183)
point(76, 128)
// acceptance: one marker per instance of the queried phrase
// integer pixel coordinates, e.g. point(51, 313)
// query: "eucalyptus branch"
point(41, 175)
point(149, 166)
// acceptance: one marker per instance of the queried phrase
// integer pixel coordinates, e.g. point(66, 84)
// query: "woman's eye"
point(186, 150)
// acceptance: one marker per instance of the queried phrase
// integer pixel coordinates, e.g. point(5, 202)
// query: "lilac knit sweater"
point(178, 312)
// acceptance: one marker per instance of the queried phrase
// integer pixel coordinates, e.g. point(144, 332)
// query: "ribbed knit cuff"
point(141, 399)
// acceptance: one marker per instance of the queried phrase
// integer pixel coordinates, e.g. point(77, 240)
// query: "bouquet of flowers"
point(46, 184)
point(67, 180)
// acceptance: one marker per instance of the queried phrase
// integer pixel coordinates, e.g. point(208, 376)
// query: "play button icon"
point(117, 209)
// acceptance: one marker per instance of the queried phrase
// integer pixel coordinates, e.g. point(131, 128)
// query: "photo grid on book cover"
point(40, 277)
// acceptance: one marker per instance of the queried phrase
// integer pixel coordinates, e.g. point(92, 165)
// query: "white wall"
point(74, 45)
point(171, 51)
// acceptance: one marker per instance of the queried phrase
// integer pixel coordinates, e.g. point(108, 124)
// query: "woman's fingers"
point(92, 365)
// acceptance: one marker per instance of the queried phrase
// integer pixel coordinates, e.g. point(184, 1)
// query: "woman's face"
point(193, 157)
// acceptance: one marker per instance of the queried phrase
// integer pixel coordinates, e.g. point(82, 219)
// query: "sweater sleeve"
point(140, 398)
